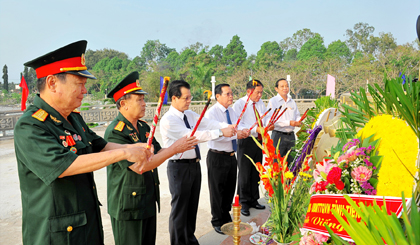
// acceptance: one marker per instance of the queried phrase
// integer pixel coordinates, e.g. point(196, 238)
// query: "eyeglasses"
point(187, 98)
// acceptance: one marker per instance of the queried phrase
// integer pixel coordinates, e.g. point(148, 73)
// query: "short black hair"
point(40, 83)
point(174, 88)
point(218, 88)
point(250, 85)
point(124, 97)
point(281, 79)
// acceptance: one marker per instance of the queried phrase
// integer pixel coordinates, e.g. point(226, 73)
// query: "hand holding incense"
point(203, 112)
point(157, 113)
point(260, 118)
point(254, 83)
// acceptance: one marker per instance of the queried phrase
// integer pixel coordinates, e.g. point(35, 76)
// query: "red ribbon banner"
point(319, 211)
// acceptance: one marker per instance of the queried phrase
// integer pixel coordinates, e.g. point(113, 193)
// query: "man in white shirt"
point(248, 176)
point(221, 159)
point(284, 127)
point(184, 172)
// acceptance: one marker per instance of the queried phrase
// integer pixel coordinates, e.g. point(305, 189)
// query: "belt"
point(286, 133)
point(223, 152)
point(194, 160)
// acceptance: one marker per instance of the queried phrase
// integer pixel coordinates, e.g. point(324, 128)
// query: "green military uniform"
point(132, 197)
point(56, 210)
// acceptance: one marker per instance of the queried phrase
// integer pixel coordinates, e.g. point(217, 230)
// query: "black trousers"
point(248, 176)
point(287, 141)
point(184, 185)
point(142, 231)
point(221, 171)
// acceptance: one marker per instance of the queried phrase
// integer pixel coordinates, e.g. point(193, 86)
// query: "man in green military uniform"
point(132, 194)
point(56, 153)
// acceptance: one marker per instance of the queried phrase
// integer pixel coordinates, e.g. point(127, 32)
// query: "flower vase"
point(280, 243)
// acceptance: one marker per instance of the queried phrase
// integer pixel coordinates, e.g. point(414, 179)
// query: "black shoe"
point(245, 212)
point(259, 206)
point(218, 230)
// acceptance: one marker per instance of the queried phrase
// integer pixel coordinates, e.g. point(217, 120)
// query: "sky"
point(29, 29)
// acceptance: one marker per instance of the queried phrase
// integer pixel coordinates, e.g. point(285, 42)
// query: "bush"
point(85, 109)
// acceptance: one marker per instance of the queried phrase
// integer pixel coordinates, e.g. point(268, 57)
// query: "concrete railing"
point(107, 113)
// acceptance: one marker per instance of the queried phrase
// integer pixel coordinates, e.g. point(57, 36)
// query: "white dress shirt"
point(218, 113)
point(172, 128)
point(248, 119)
point(292, 113)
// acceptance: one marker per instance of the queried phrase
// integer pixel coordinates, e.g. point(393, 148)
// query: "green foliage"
point(338, 50)
point(270, 54)
point(234, 54)
point(303, 56)
point(93, 57)
point(297, 40)
point(313, 48)
point(155, 51)
point(85, 108)
point(377, 226)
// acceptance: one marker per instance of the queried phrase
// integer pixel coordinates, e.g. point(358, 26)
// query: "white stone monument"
point(213, 85)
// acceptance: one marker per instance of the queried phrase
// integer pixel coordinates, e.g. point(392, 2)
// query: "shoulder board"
point(40, 114)
point(120, 126)
point(76, 111)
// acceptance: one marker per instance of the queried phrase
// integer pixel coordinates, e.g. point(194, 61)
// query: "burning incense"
point(157, 113)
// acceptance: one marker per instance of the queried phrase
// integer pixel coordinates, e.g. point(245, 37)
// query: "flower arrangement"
point(306, 149)
point(288, 193)
point(313, 238)
point(399, 146)
point(353, 170)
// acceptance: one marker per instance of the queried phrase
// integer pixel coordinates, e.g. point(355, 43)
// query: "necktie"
point(234, 145)
point(197, 150)
point(259, 137)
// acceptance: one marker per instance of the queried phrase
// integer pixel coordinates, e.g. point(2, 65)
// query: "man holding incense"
point(56, 154)
point(184, 171)
point(221, 159)
point(133, 194)
point(284, 127)
point(248, 176)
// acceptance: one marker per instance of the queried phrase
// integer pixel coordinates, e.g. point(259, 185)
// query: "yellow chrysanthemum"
point(288, 175)
point(396, 136)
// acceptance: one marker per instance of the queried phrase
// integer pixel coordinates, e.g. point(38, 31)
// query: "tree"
point(93, 57)
point(201, 76)
point(313, 48)
point(358, 38)
point(217, 53)
point(234, 54)
point(338, 50)
point(30, 78)
point(197, 47)
point(291, 55)
point(269, 55)
point(297, 40)
point(154, 51)
point(5, 78)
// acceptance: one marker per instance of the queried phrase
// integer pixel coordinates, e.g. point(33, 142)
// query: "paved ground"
point(10, 203)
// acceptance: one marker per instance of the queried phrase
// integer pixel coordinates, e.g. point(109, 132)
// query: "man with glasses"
point(184, 171)
point(248, 176)
point(284, 127)
point(221, 159)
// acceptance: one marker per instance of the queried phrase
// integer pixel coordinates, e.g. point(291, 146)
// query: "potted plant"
point(288, 193)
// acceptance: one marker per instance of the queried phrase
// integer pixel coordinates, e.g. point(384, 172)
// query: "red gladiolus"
point(260, 167)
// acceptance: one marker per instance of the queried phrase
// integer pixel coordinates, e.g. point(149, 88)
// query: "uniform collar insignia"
point(55, 119)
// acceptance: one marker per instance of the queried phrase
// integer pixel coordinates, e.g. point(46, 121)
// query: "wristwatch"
point(220, 133)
